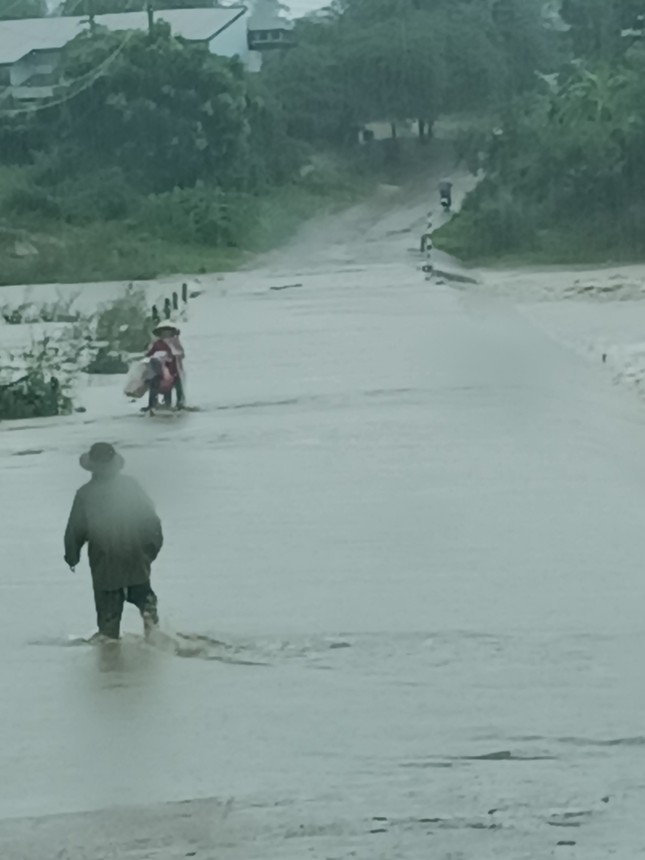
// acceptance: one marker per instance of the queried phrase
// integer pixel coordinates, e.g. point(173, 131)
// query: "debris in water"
point(563, 823)
point(285, 287)
point(505, 755)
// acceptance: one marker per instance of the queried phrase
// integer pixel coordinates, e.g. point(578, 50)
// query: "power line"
point(88, 79)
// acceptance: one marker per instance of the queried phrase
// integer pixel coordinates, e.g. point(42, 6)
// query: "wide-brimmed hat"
point(165, 326)
point(102, 458)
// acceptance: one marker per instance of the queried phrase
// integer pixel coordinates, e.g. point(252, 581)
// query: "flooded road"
point(405, 533)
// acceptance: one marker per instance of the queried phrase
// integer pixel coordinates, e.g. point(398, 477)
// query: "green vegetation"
point(39, 381)
point(564, 175)
point(157, 157)
point(117, 333)
point(156, 237)
point(154, 156)
point(125, 323)
point(394, 60)
point(36, 382)
point(12, 9)
point(27, 313)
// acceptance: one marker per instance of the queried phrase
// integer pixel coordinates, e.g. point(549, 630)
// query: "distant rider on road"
point(445, 193)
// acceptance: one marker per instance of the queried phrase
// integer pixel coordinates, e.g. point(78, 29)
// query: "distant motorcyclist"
point(445, 193)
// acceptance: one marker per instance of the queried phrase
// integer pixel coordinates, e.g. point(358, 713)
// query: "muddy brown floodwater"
point(405, 552)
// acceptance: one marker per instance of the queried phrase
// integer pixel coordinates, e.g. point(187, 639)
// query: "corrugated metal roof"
point(19, 37)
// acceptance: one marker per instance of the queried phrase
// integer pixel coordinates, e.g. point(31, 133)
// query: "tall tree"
point(369, 60)
point(474, 76)
point(166, 112)
point(597, 25)
point(524, 42)
point(310, 83)
point(394, 69)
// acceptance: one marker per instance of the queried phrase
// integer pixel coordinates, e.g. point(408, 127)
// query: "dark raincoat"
point(114, 516)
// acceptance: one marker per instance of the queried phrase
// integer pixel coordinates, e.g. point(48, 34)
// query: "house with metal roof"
point(268, 30)
point(31, 48)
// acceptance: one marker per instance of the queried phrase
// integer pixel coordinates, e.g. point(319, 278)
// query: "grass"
point(567, 243)
point(283, 212)
point(107, 252)
point(113, 250)
point(143, 249)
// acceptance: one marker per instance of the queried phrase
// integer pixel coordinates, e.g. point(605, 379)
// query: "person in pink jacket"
point(167, 358)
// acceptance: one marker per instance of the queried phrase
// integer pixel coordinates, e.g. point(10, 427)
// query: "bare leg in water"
point(178, 388)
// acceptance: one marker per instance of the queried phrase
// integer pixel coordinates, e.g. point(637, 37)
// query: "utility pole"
point(150, 9)
point(91, 15)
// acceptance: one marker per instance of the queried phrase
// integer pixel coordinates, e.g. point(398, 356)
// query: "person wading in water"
point(166, 356)
point(118, 522)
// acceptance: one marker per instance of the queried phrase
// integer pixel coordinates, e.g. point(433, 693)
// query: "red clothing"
point(172, 356)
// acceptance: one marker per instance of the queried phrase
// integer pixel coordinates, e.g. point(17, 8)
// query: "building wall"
point(39, 63)
point(32, 94)
point(233, 42)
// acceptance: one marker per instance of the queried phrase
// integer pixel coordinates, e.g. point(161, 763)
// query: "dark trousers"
point(178, 388)
point(109, 608)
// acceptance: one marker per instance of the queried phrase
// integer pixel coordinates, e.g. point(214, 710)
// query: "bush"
point(197, 230)
point(107, 361)
point(102, 195)
point(202, 215)
point(504, 225)
point(27, 313)
point(32, 200)
point(13, 177)
point(41, 383)
point(492, 223)
point(36, 395)
point(124, 325)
